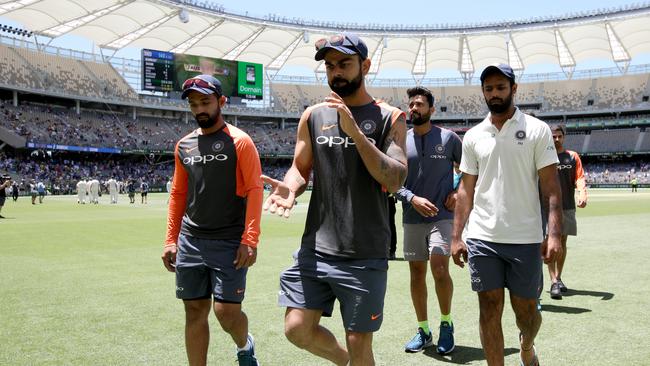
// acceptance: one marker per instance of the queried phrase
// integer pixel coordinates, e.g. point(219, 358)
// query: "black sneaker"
point(562, 286)
point(556, 293)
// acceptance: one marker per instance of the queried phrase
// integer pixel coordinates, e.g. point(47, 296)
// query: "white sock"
point(247, 347)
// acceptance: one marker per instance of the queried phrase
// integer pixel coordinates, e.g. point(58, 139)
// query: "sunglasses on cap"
point(335, 41)
point(189, 83)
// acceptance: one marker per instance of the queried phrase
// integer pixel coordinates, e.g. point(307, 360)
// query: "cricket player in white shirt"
point(94, 191)
point(112, 189)
point(81, 191)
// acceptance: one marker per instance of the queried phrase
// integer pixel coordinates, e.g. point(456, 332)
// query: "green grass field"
point(84, 285)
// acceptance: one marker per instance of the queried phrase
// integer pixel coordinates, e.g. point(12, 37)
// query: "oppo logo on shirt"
point(565, 166)
point(338, 141)
point(204, 159)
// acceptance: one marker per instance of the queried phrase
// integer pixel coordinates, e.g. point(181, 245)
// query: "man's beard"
point(418, 119)
point(345, 88)
point(501, 106)
point(206, 121)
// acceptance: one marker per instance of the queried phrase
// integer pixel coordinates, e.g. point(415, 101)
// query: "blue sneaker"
point(247, 358)
point(446, 339)
point(419, 342)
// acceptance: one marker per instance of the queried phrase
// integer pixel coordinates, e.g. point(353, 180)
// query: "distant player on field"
point(94, 191)
point(81, 191)
point(144, 190)
point(40, 188)
point(130, 188)
point(572, 177)
point(112, 186)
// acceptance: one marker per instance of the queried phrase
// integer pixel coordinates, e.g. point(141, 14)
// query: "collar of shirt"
point(516, 118)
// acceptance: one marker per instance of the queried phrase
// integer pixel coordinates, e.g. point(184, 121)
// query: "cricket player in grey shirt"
point(428, 199)
point(355, 147)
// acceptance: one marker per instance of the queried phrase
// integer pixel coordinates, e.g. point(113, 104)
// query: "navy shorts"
point(204, 268)
point(316, 280)
point(513, 266)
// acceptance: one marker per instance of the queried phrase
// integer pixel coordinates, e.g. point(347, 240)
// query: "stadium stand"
point(609, 141)
point(42, 71)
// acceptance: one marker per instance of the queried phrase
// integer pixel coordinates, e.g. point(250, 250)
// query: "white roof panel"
point(585, 35)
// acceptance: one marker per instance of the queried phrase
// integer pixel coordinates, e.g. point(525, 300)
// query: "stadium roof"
point(199, 28)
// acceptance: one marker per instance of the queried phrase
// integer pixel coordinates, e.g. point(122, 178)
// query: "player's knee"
point(196, 311)
point(440, 272)
point(227, 315)
point(526, 311)
point(490, 305)
point(298, 333)
point(418, 271)
point(359, 344)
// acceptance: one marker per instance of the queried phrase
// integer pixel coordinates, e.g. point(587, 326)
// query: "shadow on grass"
point(463, 355)
point(563, 309)
point(602, 295)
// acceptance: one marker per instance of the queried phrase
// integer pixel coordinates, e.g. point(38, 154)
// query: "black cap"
point(347, 43)
point(502, 69)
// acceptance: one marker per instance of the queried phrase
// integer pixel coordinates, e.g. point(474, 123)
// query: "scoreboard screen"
point(165, 72)
point(157, 70)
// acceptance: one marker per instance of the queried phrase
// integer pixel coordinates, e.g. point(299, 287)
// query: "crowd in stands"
point(554, 96)
point(60, 173)
point(50, 124)
point(59, 125)
point(617, 172)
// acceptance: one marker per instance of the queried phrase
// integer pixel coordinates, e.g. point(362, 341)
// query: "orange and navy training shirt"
point(571, 177)
point(217, 191)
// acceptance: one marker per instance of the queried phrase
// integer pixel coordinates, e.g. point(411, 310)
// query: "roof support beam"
point(124, 40)
point(514, 60)
point(195, 38)
point(619, 54)
point(274, 67)
point(15, 5)
point(420, 64)
point(77, 22)
point(235, 52)
point(567, 62)
point(465, 63)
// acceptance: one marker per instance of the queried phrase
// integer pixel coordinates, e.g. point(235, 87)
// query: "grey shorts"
point(424, 240)
point(316, 280)
point(516, 267)
point(204, 268)
point(569, 223)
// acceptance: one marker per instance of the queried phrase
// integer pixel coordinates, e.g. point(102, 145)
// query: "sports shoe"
point(247, 358)
point(556, 293)
point(446, 339)
point(419, 342)
point(562, 286)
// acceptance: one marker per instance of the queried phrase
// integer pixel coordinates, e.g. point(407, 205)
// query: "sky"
point(395, 12)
